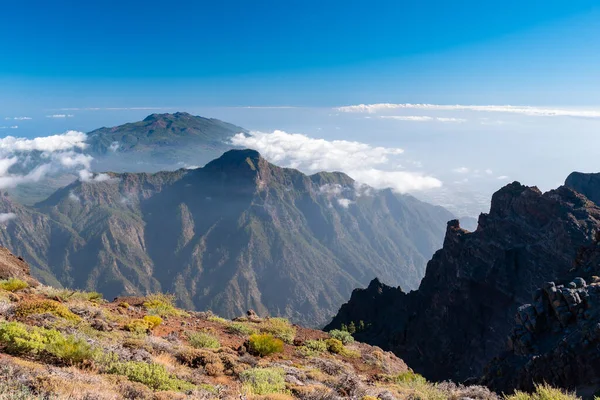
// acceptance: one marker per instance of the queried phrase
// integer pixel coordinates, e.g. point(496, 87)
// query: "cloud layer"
point(523, 110)
point(363, 162)
point(29, 160)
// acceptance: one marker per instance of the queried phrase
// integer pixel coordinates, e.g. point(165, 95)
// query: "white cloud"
point(39, 156)
point(461, 170)
point(114, 146)
point(5, 217)
point(489, 171)
point(344, 202)
point(456, 120)
point(331, 189)
point(363, 162)
point(18, 118)
point(90, 177)
point(416, 118)
point(60, 116)
point(523, 110)
point(73, 197)
point(502, 177)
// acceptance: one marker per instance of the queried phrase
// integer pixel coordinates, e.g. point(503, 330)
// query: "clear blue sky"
point(312, 53)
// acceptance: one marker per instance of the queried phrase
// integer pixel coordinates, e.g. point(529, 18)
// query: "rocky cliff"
point(462, 313)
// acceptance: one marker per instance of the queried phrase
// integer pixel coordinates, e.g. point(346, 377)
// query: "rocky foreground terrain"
point(534, 256)
point(63, 344)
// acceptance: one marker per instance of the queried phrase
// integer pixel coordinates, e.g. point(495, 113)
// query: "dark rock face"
point(586, 184)
point(462, 313)
point(556, 340)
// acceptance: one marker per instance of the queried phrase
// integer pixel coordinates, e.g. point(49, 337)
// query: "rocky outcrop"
point(556, 340)
point(462, 313)
point(12, 266)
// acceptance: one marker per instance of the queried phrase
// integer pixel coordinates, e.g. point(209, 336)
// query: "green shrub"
point(123, 304)
point(13, 284)
point(280, 328)
point(262, 381)
point(203, 340)
point(264, 345)
point(45, 306)
point(18, 338)
point(542, 392)
point(313, 347)
point(407, 377)
point(335, 346)
point(155, 376)
point(162, 305)
point(239, 328)
point(214, 318)
point(343, 336)
point(71, 350)
point(138, 326)
point(153, 321)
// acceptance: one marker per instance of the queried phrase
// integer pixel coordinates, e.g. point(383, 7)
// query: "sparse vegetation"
point(344, 336)
point(203, 340)
point(215, 318)
point(162, 305)
point(138, 326)
point(263, 381)
point(154, 376)
point(279, 328)
point(153, 321)
point(240, 328)
point(71, 350)
point(542, 392)
point(313, 348)
point(13, 284)
point(264, 344)
point(335, 346)
point(45, 307)
point(19, 338)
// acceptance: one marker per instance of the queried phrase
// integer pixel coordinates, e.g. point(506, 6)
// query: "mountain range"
point(237, 234)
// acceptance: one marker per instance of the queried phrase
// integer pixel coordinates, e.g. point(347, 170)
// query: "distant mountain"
point(239, 233)
point(161, 142)
point(464, 310)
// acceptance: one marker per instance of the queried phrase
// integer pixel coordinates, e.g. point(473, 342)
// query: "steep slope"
point(239, 233)
point(459, 318)
point(160, 142)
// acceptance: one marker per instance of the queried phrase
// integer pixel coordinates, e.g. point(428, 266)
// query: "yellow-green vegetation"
point(335, 346)
point(203, 340)
point(153, 321)
point(13, 284)
point(279, 328)
point(542, 392)
point(71, 350)
point(20, 339)
point(124, 304)
point(155, 376)
point(162, 305)
point(215, 318)
point(240, 328)
point(262, 381)
point(138, 326)
point(45, 307)
point(369, 398)
point(407, 377)
point(312, 348)
point(343, 336)
point(72, 295)
point(264, 344)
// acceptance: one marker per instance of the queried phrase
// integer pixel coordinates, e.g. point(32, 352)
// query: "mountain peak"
point(246, 158)
point(167, 116)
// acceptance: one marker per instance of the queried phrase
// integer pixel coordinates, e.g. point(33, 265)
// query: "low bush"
point(335, 346)
point(162, 305)
point(71, 350)
point(343, 336)
point(153, 321)
point(264, 345)
point(155, 376)
point(203, 340)
point(45, 307)
point(542, 392)
point(18, 338)
point(263, 381)
point(408, 376)
point(13, 284)
point(313, 348)
point(138, 326)
point(280, 328)
point(239, 328)
point(214, 318)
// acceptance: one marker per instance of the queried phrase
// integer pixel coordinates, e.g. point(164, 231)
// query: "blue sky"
point(325, 53)
point(75, 65)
